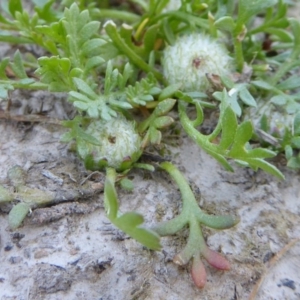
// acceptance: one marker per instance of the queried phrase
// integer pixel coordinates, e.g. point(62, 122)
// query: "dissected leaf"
point(233, 144)
point(55, 72)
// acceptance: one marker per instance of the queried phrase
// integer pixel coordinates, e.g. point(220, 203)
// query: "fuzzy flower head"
point(120, 145)
point(192, 57)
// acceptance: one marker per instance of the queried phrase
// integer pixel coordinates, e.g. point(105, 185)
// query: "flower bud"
point(191, 58)
point(120, 145)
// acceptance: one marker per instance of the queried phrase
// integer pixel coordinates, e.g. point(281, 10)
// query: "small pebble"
point(8, 247)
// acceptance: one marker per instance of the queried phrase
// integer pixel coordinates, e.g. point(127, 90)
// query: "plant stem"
point(125, 49)
point(238, 51)
point(20, 85)
point(116, 14)
point(283, 69)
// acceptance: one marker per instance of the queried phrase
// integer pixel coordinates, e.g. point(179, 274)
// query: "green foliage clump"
point(109, 61)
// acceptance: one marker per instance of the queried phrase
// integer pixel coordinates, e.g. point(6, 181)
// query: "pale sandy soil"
point(69, 250)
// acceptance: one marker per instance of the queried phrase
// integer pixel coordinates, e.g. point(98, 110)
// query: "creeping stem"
point(193, 216)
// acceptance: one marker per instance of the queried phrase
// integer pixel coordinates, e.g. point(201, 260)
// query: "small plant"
point(124, 71)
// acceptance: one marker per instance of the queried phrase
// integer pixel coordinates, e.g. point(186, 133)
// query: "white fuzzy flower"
point(120, 144)
point(192, 57)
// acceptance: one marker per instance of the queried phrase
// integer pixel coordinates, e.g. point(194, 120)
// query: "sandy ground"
point(69, 250)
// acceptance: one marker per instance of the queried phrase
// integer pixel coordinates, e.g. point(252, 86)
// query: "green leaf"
point(123, 47)
point(5, 195)
point(84, 88)
point(45, 11)
point(266, 166)
point(225, 23)
point(168, 32)
point(4, 20)
point(260, 153)
point(55, 72)
point(249, 8)
point(229, 127)
point(169, 91)
point(230, 99)
point(234, 136)
point(247, 98)
point(129, 220)
point(129, 223)
point(15, 6)
point(162, 122)
point(17, 66)
point(66, 137)
point(243, 134)
point(279, 100)
point(17, 215)
point(202, 140)
point(92, 63)
point(127, 73)
point(295, 24)
point(150, 37)
point(142, 91)
point(164, 107)
point(110, 195)
point(79, 97)
point(288, 152)
point(155, 136)
point(78, 133)
point(147, 167)
point(262, 84)
point(297, 124)
point(81, 106)
point(282, 34)
point(88, 30)
point(4, 88)
point(119, 104)
point(89, 47)
point(126, 184)
point(3, 64)
point(295, 141)
point(292, 82)
point(294, 163)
